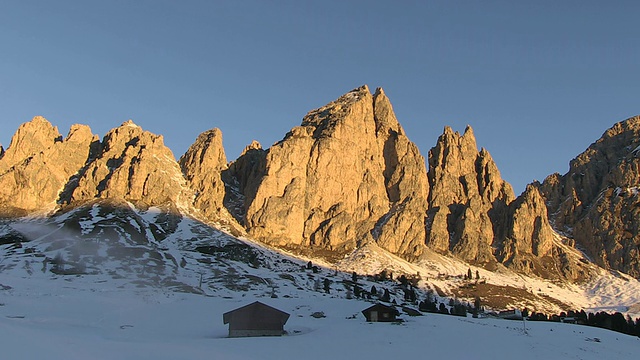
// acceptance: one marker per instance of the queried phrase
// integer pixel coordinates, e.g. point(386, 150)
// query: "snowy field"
point(60, 319)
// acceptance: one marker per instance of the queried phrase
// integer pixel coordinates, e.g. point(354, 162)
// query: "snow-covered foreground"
point(59, 319)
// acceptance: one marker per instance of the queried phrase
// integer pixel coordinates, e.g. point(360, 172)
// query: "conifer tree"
point(386, 297)
point(327, 286)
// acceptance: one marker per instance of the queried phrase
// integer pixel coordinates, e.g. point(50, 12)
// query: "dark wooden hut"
point(380, 312)
point(255, 319)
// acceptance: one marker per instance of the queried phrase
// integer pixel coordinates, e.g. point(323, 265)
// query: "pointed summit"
point(202, 165)
point(385, 117)
point(333, 180)
point(466, 188)
point(133, 165)
point(37, 167)
point(31, 138)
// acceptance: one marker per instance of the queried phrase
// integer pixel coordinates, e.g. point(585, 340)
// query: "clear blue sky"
point(537, 80)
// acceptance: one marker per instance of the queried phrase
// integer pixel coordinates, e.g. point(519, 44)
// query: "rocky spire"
point(202, 165)
point(320, 188)
point(473, 214)
point(133, 165)
point(402, 230)
point(467, 193)
point(527, 235)
point(341, 178)
point(40, 164)
point(30, 138)
point(242, 179)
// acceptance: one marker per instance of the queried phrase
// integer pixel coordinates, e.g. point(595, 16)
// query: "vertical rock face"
point(133, 165)
point(31, 137)
point(340, 179)
point(202, 165)
point(597, 201)
point(528, 225)
point(39, 164)
point(527, 244)
point(348, 175)
point(402, 230)
point(467, 197)
point(242, 179)
point(474, 215)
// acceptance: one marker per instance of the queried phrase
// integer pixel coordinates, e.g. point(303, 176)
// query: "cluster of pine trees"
point(429, 304)
point(602, 319)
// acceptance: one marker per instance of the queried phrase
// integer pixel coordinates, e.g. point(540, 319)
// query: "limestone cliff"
point(467, 198)
point(348, 176)
point(242, 179)
point(474, 215)
point(597, 201)
point(31, 137)
point(202, 165)
point(342, 178)
point(527, 239)
point(39, 164)
point(133, 165)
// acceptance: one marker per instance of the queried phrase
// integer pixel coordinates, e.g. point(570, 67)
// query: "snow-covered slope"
point(116, 244)
point(57, 319)
point(107, 280)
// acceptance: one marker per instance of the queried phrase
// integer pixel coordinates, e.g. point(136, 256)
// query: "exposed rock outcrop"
point(467, 199)
point(242, 179)
point(340, 179)
point(403, 229)
point(31, 137)
point(202, 165)
point(527, 244)
point(346, 177)
point(39, 164)
point(597, 201)
point(133, 165)
point(349, 175)
point(474, 215)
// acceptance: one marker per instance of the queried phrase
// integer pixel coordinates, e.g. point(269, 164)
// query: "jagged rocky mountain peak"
point(134, 165)
point(347, 176)
point(337, 178)
point(202, 166)
point(30, 138)
point(39, 164)
point(206, 152)
point(596, 201)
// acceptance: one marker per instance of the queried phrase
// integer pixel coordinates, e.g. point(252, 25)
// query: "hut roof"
point(255, 310)
point(379, 307)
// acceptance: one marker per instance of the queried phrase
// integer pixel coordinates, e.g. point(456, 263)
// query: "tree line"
point(602, 319)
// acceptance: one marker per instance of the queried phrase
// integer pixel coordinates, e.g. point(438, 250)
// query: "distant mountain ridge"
point(349, 176)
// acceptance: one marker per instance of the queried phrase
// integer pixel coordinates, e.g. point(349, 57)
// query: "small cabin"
point(255, 319)
point(380, 313)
